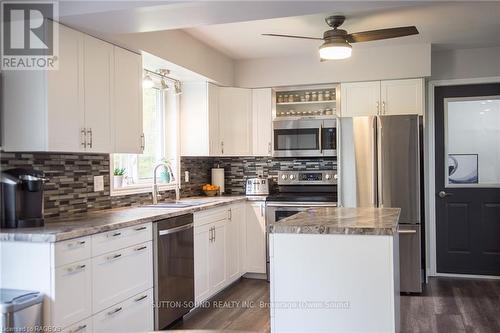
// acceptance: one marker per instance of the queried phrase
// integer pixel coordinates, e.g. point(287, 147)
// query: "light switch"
point(98, 183)
point(186, 176)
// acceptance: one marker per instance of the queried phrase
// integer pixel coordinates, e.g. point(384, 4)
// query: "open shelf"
point(308, 102)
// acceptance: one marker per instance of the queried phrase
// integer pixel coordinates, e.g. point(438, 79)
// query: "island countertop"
point(78, 225)
point(340, 220)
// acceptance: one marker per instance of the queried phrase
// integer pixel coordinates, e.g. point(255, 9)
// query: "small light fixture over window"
point(335, 49)
point(147, 82)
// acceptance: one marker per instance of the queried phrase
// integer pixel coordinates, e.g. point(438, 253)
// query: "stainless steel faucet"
point(154, 192)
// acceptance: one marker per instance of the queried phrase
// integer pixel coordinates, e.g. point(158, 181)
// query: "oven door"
point(297, 138)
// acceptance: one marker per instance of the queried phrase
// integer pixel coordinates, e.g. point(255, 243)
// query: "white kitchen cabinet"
point(72, 293)
point(360, 98)
point(202, 242)
point(127, 102)
point(402, 97)
point(199, 119)
point(131, 315)
point(233, 242)
point(255, 254)
point(98, 64)
point(217, 271)
point(390, 97)
point(262, 122)
point(235, 116)
point(84, 326)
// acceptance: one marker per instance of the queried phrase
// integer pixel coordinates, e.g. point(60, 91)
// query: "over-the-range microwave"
point(304, 137)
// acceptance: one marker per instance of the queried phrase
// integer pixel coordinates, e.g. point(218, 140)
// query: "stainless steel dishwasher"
point(173, 269)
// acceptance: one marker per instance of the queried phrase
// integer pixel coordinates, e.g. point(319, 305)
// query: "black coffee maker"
point(22, 198)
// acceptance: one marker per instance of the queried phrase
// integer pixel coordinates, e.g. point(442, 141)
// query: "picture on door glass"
point(463, 169)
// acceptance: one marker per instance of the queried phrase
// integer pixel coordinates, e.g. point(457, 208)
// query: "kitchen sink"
point(176, 204)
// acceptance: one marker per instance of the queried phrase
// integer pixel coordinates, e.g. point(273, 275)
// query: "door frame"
point(430, 176)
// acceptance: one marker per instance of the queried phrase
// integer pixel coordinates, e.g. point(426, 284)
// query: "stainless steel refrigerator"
point(380, 161)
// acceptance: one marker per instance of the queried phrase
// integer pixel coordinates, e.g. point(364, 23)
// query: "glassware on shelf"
point(308, 96)
point(280, 98)
point(314, 96)
point(302, 98)
point(296, 98)
point(327, 95)
point(332, 95)
point(328, 111)
point(290, 98)
point(320, 95)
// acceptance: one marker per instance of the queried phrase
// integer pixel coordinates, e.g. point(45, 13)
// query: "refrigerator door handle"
point(375, 161)
point(380, 178)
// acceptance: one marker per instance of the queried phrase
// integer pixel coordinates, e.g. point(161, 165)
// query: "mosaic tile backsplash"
point(70, 188)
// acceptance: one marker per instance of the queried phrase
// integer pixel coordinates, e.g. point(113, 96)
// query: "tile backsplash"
point(70, 185)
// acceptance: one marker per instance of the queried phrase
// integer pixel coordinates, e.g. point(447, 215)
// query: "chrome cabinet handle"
point(73, 244)
point(210, 235)
point(215, 233)
point(222, 147)
point(443, 194)
point(143, 141)
point(407, 231)
point(79, 328)
point(115, 311)
point(83, 138)
point(140, 228)
point(77, 268)
point(230, 217)
point(89, 133)
point(115, 256)
point(269, 148)
point(261, 210)
point(141, 298)
point(383, 107)
point(141, 248)
point(116, 234)
point(378, 107)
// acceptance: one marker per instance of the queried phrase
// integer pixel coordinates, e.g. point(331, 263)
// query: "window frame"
point(146, 187)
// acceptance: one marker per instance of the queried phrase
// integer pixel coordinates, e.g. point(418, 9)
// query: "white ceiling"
point(449, 25)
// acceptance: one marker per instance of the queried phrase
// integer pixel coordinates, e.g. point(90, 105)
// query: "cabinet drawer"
point(210, 216)
point(118, 239)
point(84, 326)
point(133, 315)
point(71, 250)
point(121, 274)
point(72, 293)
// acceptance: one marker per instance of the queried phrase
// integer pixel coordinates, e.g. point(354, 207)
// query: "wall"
point(466, 63)
point(367, 63)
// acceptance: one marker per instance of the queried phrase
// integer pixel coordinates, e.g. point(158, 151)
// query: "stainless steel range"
point(298, 191)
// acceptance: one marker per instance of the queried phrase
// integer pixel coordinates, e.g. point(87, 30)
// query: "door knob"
point(443, 194)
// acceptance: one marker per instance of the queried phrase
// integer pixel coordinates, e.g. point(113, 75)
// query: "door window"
point(472, 141)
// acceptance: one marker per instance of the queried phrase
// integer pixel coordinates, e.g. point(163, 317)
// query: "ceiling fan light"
point(335, 50)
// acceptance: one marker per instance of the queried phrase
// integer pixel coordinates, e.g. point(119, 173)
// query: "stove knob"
point(328, 176)
point(292, 177)
point(284, 177)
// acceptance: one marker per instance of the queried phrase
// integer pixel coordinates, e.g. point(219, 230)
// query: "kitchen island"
point(335, 270)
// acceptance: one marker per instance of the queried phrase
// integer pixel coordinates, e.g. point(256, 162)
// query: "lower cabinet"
point(234, 240)
point(84, 326)
point(131, 315)
point(255, 224)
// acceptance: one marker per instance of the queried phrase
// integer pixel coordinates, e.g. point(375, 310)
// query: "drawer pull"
point(141, 248)
point(116, 256)
point(116, 234)
point(114, 311)
point(140, 228)
point(76, 268)
point(141, 298)
point(81, 243)
point(70, 245)
point(79, 328)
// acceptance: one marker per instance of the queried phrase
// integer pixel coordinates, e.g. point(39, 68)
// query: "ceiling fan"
point(337, 42)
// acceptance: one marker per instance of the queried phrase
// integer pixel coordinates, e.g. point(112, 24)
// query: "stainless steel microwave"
point(304, 137)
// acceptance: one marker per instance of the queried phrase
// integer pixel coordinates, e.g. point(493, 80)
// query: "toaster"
point(257, 186)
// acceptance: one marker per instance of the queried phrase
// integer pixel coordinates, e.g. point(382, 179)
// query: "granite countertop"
point(78, 225)
point(339, 220)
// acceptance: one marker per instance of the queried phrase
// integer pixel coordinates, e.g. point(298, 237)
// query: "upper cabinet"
point(391, 97)
point(225, 121)
point(84, 106)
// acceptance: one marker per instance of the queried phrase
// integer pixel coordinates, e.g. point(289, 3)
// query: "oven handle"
point(320, 138)
point(302, 204)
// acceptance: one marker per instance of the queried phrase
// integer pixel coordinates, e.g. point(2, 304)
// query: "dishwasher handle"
point(176, 229)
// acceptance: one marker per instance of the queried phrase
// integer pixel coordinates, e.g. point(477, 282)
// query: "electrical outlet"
point(186, 176)
point(260, 172)
point(98, 183)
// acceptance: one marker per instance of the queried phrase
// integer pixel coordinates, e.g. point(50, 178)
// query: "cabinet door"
point(201, 262)
point(402, 97)
point(213, 120)
point(217, 257)
point(194, 119)
point(235, 106)
point(72, 293)
point(98, 61)
point(233, 241)
point(261, 122)
point(65, 95)
point(360, 99)
point(127, 102)
point(84, 326)
point(255, 238)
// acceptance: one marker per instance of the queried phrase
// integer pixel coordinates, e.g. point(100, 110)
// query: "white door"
point(235, 105)
point(255, 238)
point(262, 122)
point(233, 241)
point(127, 102)
point(201, 262)
point(65, 95)
point(217, 257)
point(360, 98)
point(402, 97)
point(97, 76)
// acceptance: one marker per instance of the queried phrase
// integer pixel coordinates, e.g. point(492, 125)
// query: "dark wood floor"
point(447, 305)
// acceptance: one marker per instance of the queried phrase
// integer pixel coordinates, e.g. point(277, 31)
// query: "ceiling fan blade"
point(292, 36)
point(367, 36)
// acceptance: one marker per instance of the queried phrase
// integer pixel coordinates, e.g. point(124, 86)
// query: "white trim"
point(430, 201)
point(467, 276)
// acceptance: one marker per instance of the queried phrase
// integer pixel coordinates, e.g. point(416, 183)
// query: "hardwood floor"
point(447, 305)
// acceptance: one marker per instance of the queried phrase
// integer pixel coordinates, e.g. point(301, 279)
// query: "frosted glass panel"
point(472, 144)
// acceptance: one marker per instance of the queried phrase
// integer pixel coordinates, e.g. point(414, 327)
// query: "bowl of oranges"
point(211, 190)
